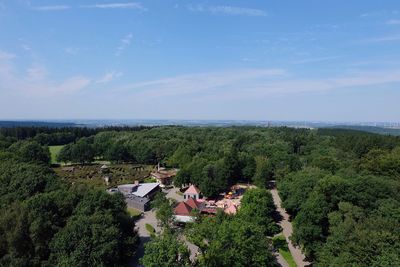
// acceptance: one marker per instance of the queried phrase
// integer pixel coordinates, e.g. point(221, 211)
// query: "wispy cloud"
point(109, 76)
point(36, 72)
point(131, 5)
point(200, 82)
point(124, 43)
point(379, 13)
point(387, 38)
point(71, 85)
point(6, 56)
point(253, 84)
point(317, 59)
point(393, 22)
point(228, 10)
point(51, 8)
point(73, 51)
point(35, 81)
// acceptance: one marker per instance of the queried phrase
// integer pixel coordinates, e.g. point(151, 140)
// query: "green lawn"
point(150, 229)
point(134, 212)
point(54, 151)
point(288, 257)
point(279, 242)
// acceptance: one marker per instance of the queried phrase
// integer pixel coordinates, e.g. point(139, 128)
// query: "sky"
point(219, 59)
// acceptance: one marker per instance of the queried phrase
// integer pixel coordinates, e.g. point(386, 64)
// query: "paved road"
point(287, 227)
point(150, 218)
point(173, 195)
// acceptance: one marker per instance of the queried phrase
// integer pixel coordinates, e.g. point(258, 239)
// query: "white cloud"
point(6, 56)
point(51, 8)
point(387, 38)
point(72, 51)
point(131, 5)
point(393, 22)
point(36, 72)
point(228, 10)
point(317, 59)
point(109, 76)
point(124, 43)
point(26, 47)
point(201, 82)
point(252, 84)
point(71, 85)
point(35, 81)
point(379, 13)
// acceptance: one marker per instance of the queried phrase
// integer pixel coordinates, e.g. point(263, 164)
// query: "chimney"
point(158, 166)
point(136, 182)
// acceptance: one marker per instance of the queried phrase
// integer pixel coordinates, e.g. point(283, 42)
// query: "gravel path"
point(287, 227)
point(140, 225)
point(172, 194)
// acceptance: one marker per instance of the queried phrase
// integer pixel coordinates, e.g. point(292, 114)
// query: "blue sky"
point(259, 60)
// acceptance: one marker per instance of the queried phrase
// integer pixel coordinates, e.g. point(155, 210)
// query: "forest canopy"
point(341, 188)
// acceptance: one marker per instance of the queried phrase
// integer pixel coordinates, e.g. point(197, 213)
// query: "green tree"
point(31, 151)
point(166, 250)
point(258, 207)
point(263, 172)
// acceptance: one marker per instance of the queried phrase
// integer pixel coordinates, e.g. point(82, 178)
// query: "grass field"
point(280, 243)
point(150, 229)
point(134, 212)
point(54, 151)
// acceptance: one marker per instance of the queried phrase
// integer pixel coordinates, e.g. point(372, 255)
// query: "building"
point(164, 177)
point(231, 209)
point(193, 201)
point(137, 195)
point(139, 203)
point(147, 190)
point(183, 211)
point(192, 192)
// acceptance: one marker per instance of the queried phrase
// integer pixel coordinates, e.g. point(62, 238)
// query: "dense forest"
point(341, 188)
point(47, 222)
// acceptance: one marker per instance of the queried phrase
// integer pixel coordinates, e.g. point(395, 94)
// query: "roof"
point(141, 190)
point(163, 174)
point(231, 209)
point(183, 209)
point(144, 189)
point(192, 203)
point(192, 190)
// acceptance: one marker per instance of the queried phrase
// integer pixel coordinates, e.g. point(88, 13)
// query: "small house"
point(164, 177)
point(192, 192)
point(183, 211)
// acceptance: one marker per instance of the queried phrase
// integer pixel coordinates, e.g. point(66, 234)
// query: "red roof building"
point(193, 203)
point(183, 209)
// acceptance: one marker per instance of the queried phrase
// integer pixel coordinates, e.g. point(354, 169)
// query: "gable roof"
point(192, 190)
point(183, 209)
point(192, 203)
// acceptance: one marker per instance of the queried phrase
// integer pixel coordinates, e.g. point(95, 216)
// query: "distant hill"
point(9, 124)
point(369, 129)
